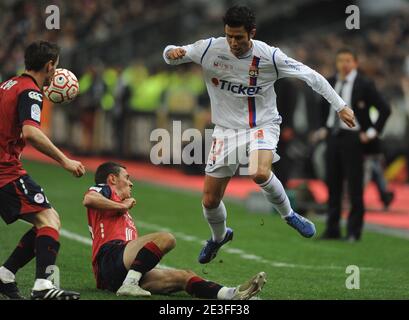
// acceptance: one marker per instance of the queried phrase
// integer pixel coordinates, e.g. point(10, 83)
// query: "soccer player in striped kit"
point(21, 102)
point(240, 73)
point(126, 263)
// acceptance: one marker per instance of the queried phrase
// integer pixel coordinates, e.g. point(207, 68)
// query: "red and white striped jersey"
point(108, 225)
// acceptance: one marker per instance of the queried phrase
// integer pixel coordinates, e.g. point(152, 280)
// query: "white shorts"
point(231, 148)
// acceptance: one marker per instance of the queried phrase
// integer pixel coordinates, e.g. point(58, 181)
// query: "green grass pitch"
point(297, 268)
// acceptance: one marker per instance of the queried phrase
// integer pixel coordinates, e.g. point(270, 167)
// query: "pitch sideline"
point(234, 251)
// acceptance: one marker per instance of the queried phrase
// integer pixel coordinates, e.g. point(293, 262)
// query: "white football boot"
point(132, 289)
point(251, 287)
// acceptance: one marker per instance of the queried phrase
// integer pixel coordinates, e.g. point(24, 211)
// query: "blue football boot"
point(304, 226)
point(209, 251)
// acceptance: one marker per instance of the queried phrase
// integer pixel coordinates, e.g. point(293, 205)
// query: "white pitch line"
point(179, 235)
point(243, 254)
point(87, 241)
point(76, 237)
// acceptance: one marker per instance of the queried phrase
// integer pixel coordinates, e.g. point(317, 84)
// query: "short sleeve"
point(29, 106)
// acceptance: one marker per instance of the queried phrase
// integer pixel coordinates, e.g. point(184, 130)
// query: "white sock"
point(132, 277)
point(275, 193)
point(42, 284)
point(216, 218)
point(226, 293)
point(6, 276)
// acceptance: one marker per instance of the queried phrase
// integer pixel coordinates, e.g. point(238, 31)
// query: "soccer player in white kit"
point(240, 73)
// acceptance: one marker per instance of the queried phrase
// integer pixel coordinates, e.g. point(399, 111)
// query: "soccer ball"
point(64, 87)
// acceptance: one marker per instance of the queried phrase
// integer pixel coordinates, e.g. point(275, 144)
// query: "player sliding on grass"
point(240, 73)
point(125, 263)
point(20, 197)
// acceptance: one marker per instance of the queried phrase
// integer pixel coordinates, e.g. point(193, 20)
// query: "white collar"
point(350, 77)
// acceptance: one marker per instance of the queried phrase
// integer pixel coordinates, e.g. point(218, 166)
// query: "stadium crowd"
point(126, 99)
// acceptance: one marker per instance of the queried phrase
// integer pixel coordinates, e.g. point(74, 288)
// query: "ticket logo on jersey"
point(236, 88)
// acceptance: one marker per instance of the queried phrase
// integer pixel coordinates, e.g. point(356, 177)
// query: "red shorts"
point(21, 196)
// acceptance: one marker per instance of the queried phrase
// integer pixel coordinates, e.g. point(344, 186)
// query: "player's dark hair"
point(105, 169)
point(38, 53)
point(349, 51)
point(238, 16)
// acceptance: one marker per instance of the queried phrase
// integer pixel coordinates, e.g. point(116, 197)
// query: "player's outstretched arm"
point(175, 55)
point(195, 52)
point(288, 67)
point(43, 144)
point(97, 201)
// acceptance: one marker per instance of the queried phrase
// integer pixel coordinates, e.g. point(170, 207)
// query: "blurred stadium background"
point(115, 47)
point(126, 90)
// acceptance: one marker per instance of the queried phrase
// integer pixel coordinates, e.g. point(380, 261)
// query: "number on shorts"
point(217, 148)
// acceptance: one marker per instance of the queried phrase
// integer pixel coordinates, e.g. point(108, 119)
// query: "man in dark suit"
point(346, 146)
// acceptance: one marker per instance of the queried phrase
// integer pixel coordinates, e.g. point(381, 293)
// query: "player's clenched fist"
point(75, 167)
point(347, 116)
point(129, 203)
point(174, 54)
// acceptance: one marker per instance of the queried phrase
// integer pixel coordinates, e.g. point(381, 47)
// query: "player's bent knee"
point(171, 241)
point(56, 222)
point(261, 176)
point(211, 201)
point(48, 218)
point(167, 241)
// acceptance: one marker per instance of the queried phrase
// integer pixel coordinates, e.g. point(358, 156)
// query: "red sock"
point(147, 258)
point(201, 288)
point(46, 249)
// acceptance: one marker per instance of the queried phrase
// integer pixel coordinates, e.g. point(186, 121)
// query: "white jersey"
point(241, 90)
